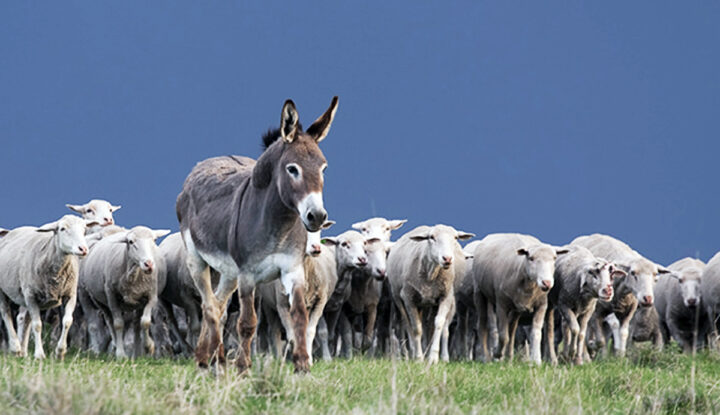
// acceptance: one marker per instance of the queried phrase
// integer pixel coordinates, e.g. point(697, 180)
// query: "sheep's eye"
point(344, 244)
point(432, 238)
point(131, 242)
point(364, 229)
point(531, 258)
point(63, 229)
point(89, 211)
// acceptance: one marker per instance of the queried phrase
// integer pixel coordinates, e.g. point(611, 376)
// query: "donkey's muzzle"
point(314, 219)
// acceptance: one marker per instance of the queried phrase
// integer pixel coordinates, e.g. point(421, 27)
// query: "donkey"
point(248, 220)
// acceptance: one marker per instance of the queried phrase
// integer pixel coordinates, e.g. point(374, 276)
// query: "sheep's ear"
point(3, 232)
point(76, 208)
point(396, 223)
point(663, 270)
point(616, 272)
point(464, 236)
point(114, 208)
point(327, 224)
point(321, 127)
point(160, 233)
point(48, 227)
point(289, 122)
point(358, 225)
point(329, 240)
point(523, 251)
point(561, 251)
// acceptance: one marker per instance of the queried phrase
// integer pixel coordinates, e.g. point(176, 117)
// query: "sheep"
point(710, 296)
point(513, 274)
point(679, 303)
point(40, 271)
point(422, 267)
point(349, 251)
point(580, 280)
point(121, 275)
point(366, 288)
point(320, 279)
point(180, 290)
point(379, 228)
point(636, 289)
point(99, 211)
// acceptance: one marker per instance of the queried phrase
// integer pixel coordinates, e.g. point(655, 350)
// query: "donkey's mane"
point(272, 135)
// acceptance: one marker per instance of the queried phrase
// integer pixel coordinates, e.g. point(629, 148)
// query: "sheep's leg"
point(346, 336)
point(118, 322)
point(536, 334)
point(36, 326)
point(414, 327)
point(23, 329)
point(481, 346)
point(369, 327)
point(445, 338)
point(625, 330)
point(514, 322)
point(13, 340)
point(67, 321)
point(550, 335)
point(580, 349)
point(572, 328)
point(313, 320)
point(445, 307)
point(145, 321)
point(322, 334)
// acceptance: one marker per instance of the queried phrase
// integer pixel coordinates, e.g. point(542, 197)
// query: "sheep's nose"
point(83, 250)
point(447, 260)
point(109, 221)
point(316, 249)
point(692, 302)
point(647, 300)
point(148, 265)
point(381, 273)
point(547, 284)
point(362, 261)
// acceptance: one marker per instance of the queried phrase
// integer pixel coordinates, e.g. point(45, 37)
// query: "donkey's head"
point(294, 163)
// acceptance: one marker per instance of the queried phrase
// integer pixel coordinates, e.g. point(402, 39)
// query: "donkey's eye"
point(293, 170)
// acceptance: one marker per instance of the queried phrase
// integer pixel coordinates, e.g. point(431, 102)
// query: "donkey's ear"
point(321, 127)
point(288, 122)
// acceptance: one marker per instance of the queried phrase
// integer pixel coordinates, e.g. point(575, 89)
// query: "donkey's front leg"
point(246, 325)
point(294, 285)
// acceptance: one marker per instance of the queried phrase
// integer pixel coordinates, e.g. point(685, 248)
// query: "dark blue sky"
point(550, 118)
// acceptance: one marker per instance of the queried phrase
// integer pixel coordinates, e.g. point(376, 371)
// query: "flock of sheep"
point(423, 296)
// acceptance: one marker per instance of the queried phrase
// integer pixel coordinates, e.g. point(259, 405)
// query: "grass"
point(646, 382)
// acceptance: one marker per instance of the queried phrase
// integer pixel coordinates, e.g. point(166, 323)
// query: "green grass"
point(646, 382)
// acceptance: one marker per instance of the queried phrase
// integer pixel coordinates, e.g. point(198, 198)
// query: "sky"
point(555, 119)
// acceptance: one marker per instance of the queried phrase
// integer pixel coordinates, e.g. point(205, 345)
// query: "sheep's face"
point(598, 278)
point(349, 249)
point(379, 228)
point(539, 264)
point(690, 287)
point(313, 247)
point(141, 248)
point(641, 277)
point(99, 211)
point(69, 233)
point(377, 258)
point(441, 242)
